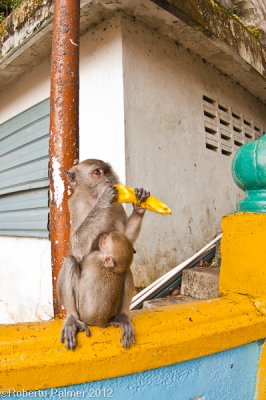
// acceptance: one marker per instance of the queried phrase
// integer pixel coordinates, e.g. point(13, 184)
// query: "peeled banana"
point(127, 195)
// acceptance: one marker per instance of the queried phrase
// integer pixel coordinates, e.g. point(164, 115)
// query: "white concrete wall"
point(30, 89)
point(25, 266)
point(25, 280)
point(102, 97)
point(165, 147)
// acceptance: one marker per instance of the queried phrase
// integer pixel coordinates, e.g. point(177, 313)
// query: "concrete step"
point(198, 283)
point(167, 301)
point(201, 282)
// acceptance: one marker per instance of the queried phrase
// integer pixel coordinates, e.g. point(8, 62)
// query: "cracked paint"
point(59, 187)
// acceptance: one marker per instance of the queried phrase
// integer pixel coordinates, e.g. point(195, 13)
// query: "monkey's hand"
point(141, 195)
point(127, 329)
point(107, 197)
point(71, 327)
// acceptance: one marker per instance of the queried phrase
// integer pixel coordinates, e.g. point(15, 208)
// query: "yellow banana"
point(127, 195)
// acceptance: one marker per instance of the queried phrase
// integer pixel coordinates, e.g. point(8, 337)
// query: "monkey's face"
point(93, 175)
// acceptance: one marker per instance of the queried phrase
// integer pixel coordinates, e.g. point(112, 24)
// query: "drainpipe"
point(64, 127)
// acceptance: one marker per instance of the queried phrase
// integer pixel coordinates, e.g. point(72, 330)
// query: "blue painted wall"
point(230, 375)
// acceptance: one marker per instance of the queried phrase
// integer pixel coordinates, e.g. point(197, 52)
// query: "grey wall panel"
point(24, 136)
point(21, 233)
point(24, 219)
point(26, 154)
point(31, 115)
point(24, 183)
point(37, 198)
point(28, 186)
point(26, 177)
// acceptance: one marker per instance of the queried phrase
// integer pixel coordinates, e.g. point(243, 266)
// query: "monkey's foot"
point(70, 329)
point(128, 334)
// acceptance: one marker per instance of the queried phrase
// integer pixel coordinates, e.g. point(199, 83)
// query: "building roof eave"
point(202, 26)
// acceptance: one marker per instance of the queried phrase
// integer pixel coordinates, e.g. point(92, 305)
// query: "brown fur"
point(97, 279)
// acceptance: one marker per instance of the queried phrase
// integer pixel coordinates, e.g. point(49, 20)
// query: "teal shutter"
point(24, 183)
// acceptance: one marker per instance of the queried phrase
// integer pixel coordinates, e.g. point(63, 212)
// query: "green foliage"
point(256, 32)
point(6, 6)
point(234, 10)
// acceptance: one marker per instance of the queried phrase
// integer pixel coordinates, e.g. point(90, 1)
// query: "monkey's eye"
point(97, 171)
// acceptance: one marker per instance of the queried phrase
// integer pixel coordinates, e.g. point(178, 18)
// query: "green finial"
point(249, 173)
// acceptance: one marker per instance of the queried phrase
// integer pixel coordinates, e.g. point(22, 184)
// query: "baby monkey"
point(101, 283)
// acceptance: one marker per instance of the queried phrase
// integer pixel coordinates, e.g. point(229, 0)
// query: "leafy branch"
point(6, 7)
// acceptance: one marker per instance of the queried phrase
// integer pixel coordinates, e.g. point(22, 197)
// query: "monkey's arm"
point(67, 289)
point(123, 319)
point(133, 226)
point(134, 222)
point(67, 285)
point(127, 293)
point(94, 224)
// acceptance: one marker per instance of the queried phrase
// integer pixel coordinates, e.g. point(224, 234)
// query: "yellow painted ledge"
point(31, 356)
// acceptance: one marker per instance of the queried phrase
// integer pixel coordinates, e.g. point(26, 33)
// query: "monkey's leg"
point(67, 289)
point(122, 319)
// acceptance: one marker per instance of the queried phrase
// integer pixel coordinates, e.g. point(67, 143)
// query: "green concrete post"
point(249, 173)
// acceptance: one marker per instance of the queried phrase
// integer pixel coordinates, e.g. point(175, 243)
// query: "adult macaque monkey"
point(92, 212)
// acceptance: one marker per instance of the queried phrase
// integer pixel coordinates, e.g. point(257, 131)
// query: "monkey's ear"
point(71, 176)
point(109, 262)
point(134, 251)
